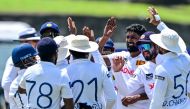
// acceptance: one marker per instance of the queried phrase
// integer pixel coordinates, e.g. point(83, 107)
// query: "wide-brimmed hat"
point(62, 51)
point(81, 43)
point(28, 34)
point(169, 39)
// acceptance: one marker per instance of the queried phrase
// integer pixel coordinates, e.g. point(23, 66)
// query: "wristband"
point(157, 17)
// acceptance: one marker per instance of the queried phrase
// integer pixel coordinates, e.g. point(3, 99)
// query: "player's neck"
point(153, 60)
point(134, 54)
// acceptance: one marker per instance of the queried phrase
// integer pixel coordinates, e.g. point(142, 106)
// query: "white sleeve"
point(160, 88)
point(108, 88)
point(66, 91)
point(161, 26)
point(135, 82)
point(22, 82)
point(9, 75)
point(98, 57)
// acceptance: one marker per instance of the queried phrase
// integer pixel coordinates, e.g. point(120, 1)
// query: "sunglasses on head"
point(144, 47)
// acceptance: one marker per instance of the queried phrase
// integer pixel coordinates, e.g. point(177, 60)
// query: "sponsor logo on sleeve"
point(149, 76)
point(159, 77)
point(140, 62)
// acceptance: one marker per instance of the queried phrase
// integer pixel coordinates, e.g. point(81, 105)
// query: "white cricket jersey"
point(17, 100)
point(45, 85)
point(171, 79)
point(124, 75)
point(62, 64)
point(89, 81)
point(10, 73)
point(143, 78)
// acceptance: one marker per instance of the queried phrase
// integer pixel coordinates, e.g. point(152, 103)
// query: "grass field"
point(175, 14)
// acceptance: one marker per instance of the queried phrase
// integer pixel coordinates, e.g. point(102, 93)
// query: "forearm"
point(161, 26)
point(69, 104)
point(102, 42)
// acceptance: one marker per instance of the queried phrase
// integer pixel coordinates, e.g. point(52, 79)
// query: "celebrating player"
point(88, 80)
point(133, 59)
point(49, 29)
point(44, 83)
point(23, 57)
point(143, 75)
point(10, 73)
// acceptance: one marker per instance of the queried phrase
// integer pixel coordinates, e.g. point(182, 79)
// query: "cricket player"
point(133, 59)
point(10, 73)
point(171, 76)
point(89, 80)
point(143, 75)
point(44, 83)
point(49, 29)
point(23, 56)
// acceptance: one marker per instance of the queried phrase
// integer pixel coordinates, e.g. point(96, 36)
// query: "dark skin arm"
point(108, 31)
point(69, 104)
point(133, 99)
point(152, 20)
point(21, 90)
point(71, 26)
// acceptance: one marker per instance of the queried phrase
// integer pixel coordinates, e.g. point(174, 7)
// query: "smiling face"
point(131, 41)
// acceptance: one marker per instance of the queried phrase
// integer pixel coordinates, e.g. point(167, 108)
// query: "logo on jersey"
point(126, 70)
point(151, 86)
point(140, 62)
point(149, 76)
point(159, 77)
point(108, 75)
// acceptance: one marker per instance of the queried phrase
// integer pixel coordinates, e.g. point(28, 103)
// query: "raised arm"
point(71, 26)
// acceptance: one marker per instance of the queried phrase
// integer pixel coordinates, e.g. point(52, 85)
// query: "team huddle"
point(51, 71)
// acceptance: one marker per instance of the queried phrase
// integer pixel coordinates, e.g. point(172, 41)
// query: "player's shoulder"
point(161, 70)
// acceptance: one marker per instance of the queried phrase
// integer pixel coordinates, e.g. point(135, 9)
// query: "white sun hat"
point(169, 39)
point(62, 51)
point(81, 43)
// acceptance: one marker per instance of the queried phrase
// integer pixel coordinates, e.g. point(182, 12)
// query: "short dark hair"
point(136, 28)
point(78, 55)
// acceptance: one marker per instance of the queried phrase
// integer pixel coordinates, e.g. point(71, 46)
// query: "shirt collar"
point(79, 60)
point(169, 55)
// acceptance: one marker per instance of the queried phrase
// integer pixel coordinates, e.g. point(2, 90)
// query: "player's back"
point(88, 81)
point(177, 71)
point(43, 85)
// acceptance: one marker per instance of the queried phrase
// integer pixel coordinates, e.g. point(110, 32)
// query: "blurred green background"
point(170, 11)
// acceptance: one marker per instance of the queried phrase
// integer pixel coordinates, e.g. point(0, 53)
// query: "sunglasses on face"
point(144, 47)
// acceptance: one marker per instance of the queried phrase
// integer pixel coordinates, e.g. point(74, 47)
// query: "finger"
point(69, 21)
point(73, 24)
point(113, 21)
point(92, 33)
